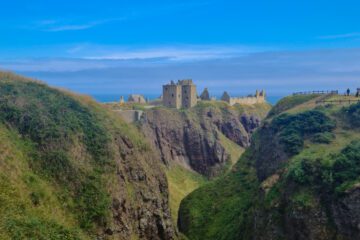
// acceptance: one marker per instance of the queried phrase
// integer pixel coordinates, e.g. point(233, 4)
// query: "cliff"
point(70, 169)
point(198, 138)
point(299, 179)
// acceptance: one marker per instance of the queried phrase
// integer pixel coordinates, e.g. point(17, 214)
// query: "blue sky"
point(119, 47)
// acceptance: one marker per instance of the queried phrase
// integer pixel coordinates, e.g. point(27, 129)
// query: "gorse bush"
point(324, 137)
point(352, 113)
point(347, 165)
point(293, 129)
point(335, 178)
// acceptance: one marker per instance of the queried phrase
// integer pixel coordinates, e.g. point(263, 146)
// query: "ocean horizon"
point(103, 98)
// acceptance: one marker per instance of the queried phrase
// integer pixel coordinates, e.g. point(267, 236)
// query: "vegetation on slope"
point(215, 212)
point(65, 161)
point(181, 182)
point(301, 170)
point(289, 102)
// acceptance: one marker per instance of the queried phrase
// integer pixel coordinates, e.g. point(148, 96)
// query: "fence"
point(339, 101)
point(317, 92)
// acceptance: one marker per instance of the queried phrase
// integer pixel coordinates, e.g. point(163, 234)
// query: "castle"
point(179, 95)
point(259, 97)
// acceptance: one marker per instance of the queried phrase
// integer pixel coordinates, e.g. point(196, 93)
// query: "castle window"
point(172, 95)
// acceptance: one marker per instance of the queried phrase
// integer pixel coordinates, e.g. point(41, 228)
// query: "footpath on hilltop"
point(299, 179)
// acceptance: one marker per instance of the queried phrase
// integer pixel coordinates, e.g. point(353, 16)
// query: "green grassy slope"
point(300, 170)
point(181, 181)
point(65, 162)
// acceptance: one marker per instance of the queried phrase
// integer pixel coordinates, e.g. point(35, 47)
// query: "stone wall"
point(130, 116)
point(247, 100)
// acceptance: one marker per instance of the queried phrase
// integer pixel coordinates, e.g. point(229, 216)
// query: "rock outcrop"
point(192, 137)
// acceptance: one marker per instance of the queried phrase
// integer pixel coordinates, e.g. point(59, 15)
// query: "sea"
point(116, 97)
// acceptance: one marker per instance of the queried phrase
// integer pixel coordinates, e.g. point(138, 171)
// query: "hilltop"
point(297, 180)
point(71, 169)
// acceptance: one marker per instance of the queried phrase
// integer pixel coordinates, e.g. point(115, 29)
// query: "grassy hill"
point(70, 169)
point(298, 180)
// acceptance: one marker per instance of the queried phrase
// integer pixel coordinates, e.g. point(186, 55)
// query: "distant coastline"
point(116, 97)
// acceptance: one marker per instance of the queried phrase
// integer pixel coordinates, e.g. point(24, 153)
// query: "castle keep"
point(180, 95)
point(259, 97)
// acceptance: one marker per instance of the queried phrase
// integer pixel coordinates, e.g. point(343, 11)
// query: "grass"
point(291, 102)
point(233, 149)
point(27, 200)
point(181, 182)
point(216, 211)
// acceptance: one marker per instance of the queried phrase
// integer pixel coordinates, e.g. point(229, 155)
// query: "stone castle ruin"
point(259, 97)
point(179, 95)
point(136, 98)
point(205, 95)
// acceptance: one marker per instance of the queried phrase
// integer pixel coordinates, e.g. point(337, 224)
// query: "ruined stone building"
point(205, 96)
point(179, 95)
point(259, 97)
point(135, 98)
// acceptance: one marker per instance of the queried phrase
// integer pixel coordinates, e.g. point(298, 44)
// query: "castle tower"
point(182, 94)
point(205, 96)
point(188, 93)
point(225, 97)
point(172, 95)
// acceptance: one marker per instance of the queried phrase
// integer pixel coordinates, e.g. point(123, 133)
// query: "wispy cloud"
point(50, 25)
point(341, 36)
point(279, 72)
point(172, 53)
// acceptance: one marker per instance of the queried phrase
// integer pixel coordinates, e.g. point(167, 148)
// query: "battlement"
point(182, 94)
point(185, 82)
point(259, 97)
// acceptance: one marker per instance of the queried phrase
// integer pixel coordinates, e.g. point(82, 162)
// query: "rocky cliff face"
point(192, 137)
point(70, 169)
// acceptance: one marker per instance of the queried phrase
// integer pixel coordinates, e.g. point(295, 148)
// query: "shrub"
point(347, 164)
point(352, 113)
point(293, 129)
point(325, 137)
point(338, 177)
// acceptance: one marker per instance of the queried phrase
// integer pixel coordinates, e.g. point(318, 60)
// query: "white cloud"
point(279, 72)
point(341, 36)
point(173, 53)
point(51, 25)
